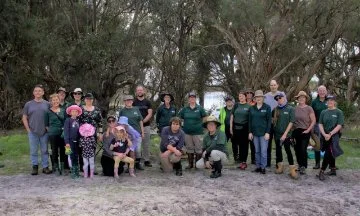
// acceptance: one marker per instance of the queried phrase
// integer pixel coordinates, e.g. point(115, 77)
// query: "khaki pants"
point(167, 160)
point(215, 155)
point(126, 159)
point(193, 144)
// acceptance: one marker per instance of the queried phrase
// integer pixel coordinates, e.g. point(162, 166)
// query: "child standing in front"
point(120, 145)
point(88, 145)
point(71, 137)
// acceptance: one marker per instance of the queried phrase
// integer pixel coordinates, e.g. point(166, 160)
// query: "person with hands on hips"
point(259, 130)
point(172, 141)
point(214, 148)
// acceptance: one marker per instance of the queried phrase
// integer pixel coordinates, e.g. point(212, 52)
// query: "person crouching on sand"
point(214, 148)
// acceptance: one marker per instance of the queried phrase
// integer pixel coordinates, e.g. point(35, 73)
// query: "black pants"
point(107, 164)
point(74, 155)
point(227, 133)
point(240, 144)
point(80, 158)
point(329, 159)
point(270, 146)
point(58, 148)
point(287, 146)
point(302, 142)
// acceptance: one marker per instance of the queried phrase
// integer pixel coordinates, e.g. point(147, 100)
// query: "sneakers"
point(332, 172)
point(302, 170)
point(317, 166)
point(34, 170)
point(138, 165)
point(243, 166)
point(46, 170)
point(257, 170)
point(263, 171)
point(147, 164)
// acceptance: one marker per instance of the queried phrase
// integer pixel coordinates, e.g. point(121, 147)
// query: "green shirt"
point(241, 115)
point(331, 118)
point(163, 115)
point(260, 120)
point(215, 142)
point(134, 117)
point(284, 116)
point(318, 106)
point(193, 119)
point(54, 122)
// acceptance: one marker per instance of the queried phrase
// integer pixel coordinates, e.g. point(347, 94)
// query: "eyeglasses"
point(111, 121)
point(77, 93)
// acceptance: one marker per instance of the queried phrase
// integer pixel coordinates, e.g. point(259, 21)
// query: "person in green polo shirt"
point(135, 120)
point(283, 119)
point(259, 130)
point(214, 148)
point(165, 111)
point(193, 116)
point(239, 129)
point(330, 123)
point(318, 105)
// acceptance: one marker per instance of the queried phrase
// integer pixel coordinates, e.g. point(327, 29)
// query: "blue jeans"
point(261, 146)
point(34, 141)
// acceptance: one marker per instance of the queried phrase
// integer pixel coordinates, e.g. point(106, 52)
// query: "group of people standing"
point(254, 121)
point(259, 118)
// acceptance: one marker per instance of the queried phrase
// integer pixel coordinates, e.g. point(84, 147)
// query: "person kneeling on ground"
point(214, 148)
point(121, 147)
point(172, 141)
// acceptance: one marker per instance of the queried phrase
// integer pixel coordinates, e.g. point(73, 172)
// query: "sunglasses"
point(111, 121)
point(77, 93)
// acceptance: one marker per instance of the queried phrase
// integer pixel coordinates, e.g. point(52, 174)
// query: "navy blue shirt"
point(71, 130)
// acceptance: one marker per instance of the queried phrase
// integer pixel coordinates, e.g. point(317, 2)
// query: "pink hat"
point(87, 130)
point(74, 107)
point(119, 128)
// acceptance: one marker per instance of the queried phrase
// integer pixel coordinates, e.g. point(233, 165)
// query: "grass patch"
point(16, 156)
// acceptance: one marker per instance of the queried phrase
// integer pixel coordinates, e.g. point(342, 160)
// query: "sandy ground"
point(155, 193)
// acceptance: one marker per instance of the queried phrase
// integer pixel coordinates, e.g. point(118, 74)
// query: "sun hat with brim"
point(330, 97)
point(87, 130)
point(74, 107)
point(162, 96)
point(128, 97)
point(211, 119)
point(89, 96)
point(192, 94)
point(111, 117)
point(279, 95)
point(119, 128)
point(76, 90)
point(64, 90)
point(259, 93)
point(123, 120)
point(302, 93)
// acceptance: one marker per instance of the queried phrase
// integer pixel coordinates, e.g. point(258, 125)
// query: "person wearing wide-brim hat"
point(165, 111)
point(77, 95)
point(259, 130)
point(71, 137)
point(330, 124)
point(193, 116)
point(135, 120)
point(214, 153)
point(304, 122)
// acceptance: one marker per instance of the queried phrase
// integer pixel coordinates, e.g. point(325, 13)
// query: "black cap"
point(89, 95)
